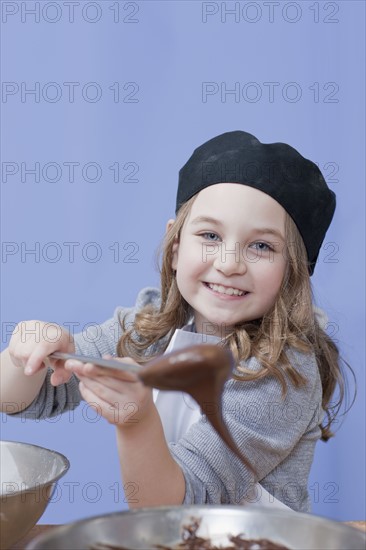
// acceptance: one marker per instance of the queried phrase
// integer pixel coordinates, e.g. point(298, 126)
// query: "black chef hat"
point(274, 168)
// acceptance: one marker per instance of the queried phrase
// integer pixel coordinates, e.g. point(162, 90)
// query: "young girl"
point(237, 261)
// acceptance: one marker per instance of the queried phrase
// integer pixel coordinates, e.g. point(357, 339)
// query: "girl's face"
point(230, 259)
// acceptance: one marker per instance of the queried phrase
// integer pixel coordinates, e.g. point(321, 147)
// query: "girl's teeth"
point(226, 290)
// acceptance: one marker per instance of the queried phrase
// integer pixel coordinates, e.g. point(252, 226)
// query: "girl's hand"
point(118, 396)
point(33, 341)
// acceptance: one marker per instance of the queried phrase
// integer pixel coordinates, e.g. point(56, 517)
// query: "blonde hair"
point(290, 322)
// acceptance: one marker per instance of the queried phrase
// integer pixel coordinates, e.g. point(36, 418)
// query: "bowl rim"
point(65, 467)
point(222, 508)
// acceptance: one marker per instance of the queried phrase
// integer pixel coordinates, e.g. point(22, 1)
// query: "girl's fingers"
point(120, 374)
point(108, 389)
point(79, 368)
point(36, 361)
point(101, 407)
point(59, 375)
point(115, 412)
point(91, 370)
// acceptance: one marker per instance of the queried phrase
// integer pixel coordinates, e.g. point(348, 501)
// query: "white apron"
point(187, 412)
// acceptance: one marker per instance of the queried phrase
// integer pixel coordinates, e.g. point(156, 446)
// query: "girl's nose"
point(230, 260)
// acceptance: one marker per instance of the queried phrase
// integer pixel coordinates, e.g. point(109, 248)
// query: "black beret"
point(277, 169)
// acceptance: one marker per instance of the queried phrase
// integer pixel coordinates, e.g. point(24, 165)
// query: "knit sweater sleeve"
point(269, 429)
point(95, 340)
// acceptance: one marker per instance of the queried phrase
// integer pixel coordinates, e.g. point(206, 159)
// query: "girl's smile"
point(225, 292)
point(229, 260)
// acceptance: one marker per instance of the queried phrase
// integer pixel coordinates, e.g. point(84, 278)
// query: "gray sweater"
point(276, 434)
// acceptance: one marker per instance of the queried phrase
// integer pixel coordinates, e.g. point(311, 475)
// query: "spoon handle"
point(109, 363)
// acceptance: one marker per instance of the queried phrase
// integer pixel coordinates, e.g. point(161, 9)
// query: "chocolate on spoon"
point(200, 370)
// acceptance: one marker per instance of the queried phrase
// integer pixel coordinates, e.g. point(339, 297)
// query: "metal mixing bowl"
point(28, 475)
point(143, 529)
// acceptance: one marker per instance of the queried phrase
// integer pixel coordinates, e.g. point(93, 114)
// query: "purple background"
point(169, 49)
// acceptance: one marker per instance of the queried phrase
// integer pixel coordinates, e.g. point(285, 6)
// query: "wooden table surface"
point(40, 529)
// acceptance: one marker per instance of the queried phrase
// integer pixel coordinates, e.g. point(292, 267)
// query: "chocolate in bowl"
point(190, 540)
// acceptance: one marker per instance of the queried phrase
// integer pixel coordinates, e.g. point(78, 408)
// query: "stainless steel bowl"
point(28, 474)
point(143, 529)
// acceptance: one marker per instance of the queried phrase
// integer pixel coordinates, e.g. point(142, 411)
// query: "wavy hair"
point(291, 322)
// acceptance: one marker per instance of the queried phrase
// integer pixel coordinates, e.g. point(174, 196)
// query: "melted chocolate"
point(201, 371)
point(191, 541)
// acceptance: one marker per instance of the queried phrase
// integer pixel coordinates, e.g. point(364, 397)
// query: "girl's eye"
point(209, 236)
point(262, 246)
